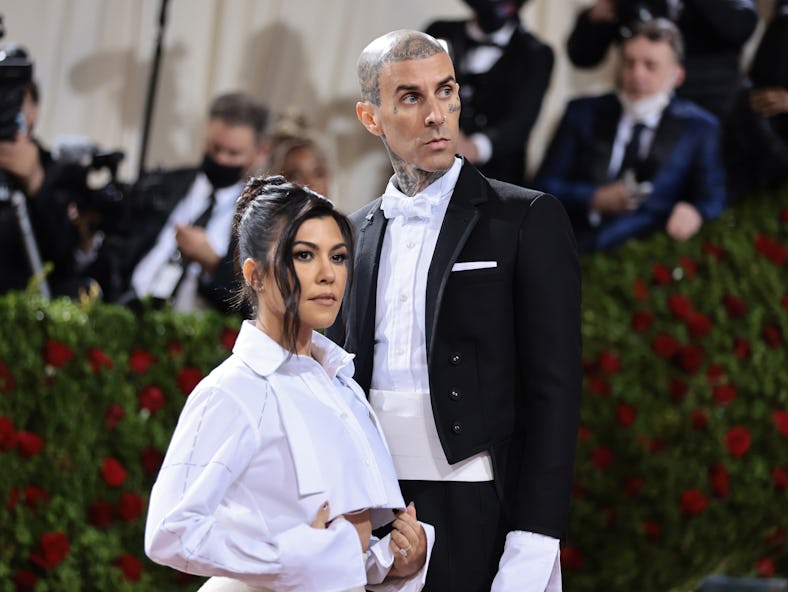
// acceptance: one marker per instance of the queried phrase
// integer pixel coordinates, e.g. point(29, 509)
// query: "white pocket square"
point(468, 265)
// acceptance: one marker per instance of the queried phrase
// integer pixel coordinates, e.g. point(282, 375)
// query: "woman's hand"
point(321, 519)
point(408, 542)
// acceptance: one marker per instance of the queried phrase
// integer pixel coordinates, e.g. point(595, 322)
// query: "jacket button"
point(456, 427)
point(455, 359)
point(454, 394)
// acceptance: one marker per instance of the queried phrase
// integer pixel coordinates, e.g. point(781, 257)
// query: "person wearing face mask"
point(182, 247)
point(503, 72)
point(628, 163)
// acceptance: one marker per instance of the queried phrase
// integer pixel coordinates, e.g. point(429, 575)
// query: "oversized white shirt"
point(261, 443)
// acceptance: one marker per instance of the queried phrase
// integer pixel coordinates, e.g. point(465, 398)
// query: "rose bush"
point(682, 456)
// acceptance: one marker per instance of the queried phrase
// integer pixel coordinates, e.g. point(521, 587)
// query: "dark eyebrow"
point(413, 87)
point(315, 247)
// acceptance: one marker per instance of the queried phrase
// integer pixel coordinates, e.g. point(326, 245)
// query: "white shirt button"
point(403, 298)
point(410, 244)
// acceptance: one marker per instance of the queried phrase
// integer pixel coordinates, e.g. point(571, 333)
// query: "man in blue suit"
point(629, 163)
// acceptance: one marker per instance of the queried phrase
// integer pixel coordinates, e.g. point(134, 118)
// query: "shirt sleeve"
point(380, 559)
point(530, 563)
point(212, 445)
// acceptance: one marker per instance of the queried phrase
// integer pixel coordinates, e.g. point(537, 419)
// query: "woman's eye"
point(339, 257)
point(302, 256)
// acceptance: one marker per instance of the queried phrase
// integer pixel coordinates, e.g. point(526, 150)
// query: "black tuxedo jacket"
point(503, 342)
point(504, 102)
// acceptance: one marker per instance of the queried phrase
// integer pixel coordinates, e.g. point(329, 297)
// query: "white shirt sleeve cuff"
point(530, 563)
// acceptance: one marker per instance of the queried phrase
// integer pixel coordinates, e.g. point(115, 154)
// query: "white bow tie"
point(418, 206)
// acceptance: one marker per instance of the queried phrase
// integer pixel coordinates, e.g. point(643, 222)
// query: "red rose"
point(642, 320)
point(691, 358)
point(699, 419)
point(25, 580)
point(765, 567)
point(129, 506)
point(228, 337)
point(677, 389)
point(640, 290)
point(771, 249)
point(7, 434)
point(140, 361)
point(53, 549)
point(689, 267)
point(100, 514)
point(98, 359)
point(633, 485)
point(738, 440)
point(665, 346)
point(151, 460)
point(680, 306)
point(130, 566)
point(741, 348)
point(188, 378)
point(175, 348)
point(601, 457)
point(598, 386)
point(698, 324)
point(775, 537)
point(724, 394)
point(652, 530)
point(113, 472)
point(693, 502)
point(151, 398)
point(57, 353)
point(28, 444)
point(625, 414)
point(572, 559)
point(661, 274)
point(714, 372)
point(6, 379)
point(609, 362)
point(773, 336)
point(780, 478)
point(780, 419)
point(735, 306)
point(578, 490)
point(113, 415)
point(719, 480)
point(716, 251)
point(35, 497)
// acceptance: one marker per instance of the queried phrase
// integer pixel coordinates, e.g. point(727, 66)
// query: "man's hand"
point(20, 158)
point(613, 199)
point(193, 244)
point(408, 536)
point(603, 11)
point(684, 221)
point(769, 101)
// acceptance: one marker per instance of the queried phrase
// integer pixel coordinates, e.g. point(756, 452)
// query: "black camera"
point(16, 72)
point(632, 11)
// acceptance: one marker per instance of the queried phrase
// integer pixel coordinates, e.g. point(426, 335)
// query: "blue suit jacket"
point(684, 164)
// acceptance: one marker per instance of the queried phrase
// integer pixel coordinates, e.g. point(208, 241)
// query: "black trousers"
point(470, 532)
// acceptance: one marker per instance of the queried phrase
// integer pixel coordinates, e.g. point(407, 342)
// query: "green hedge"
point(682, 456)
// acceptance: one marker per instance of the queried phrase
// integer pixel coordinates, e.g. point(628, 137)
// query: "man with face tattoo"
point(503, 72)
point(464, 316)
point(180, 251)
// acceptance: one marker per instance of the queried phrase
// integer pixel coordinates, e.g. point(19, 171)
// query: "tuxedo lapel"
point(460, 219)
point(666, 138)
point(365, 273)
point(605, 128)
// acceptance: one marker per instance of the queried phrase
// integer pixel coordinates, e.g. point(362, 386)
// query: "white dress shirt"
point(530, 562)
point(261, 443)
point(217, 231)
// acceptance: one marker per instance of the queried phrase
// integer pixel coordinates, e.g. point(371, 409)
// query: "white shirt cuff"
point(380, 559)
point(530, 563)
point(483, 148)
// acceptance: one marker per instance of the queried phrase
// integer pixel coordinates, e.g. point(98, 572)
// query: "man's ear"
point(680, 75)
point(367, 114)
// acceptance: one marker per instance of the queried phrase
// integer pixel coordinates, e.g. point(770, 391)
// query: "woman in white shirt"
point(277, 471)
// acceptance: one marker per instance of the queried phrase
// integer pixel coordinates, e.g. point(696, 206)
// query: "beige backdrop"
point(93, 59)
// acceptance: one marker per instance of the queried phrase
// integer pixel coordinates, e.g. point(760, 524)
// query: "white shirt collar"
point(264, 355)
point(500, 37)
point(437, 192)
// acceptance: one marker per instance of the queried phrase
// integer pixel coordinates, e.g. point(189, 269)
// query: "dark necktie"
point(632, 158)
point(202, 219)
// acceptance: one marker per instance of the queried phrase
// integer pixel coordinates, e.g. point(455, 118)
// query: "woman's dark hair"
point(268, 214)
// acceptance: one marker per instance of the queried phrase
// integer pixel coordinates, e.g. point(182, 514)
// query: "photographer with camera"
point(50, 216)
point(714, 33)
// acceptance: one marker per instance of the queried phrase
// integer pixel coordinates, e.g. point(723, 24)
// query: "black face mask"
point(494, 14)
point(220, 175)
